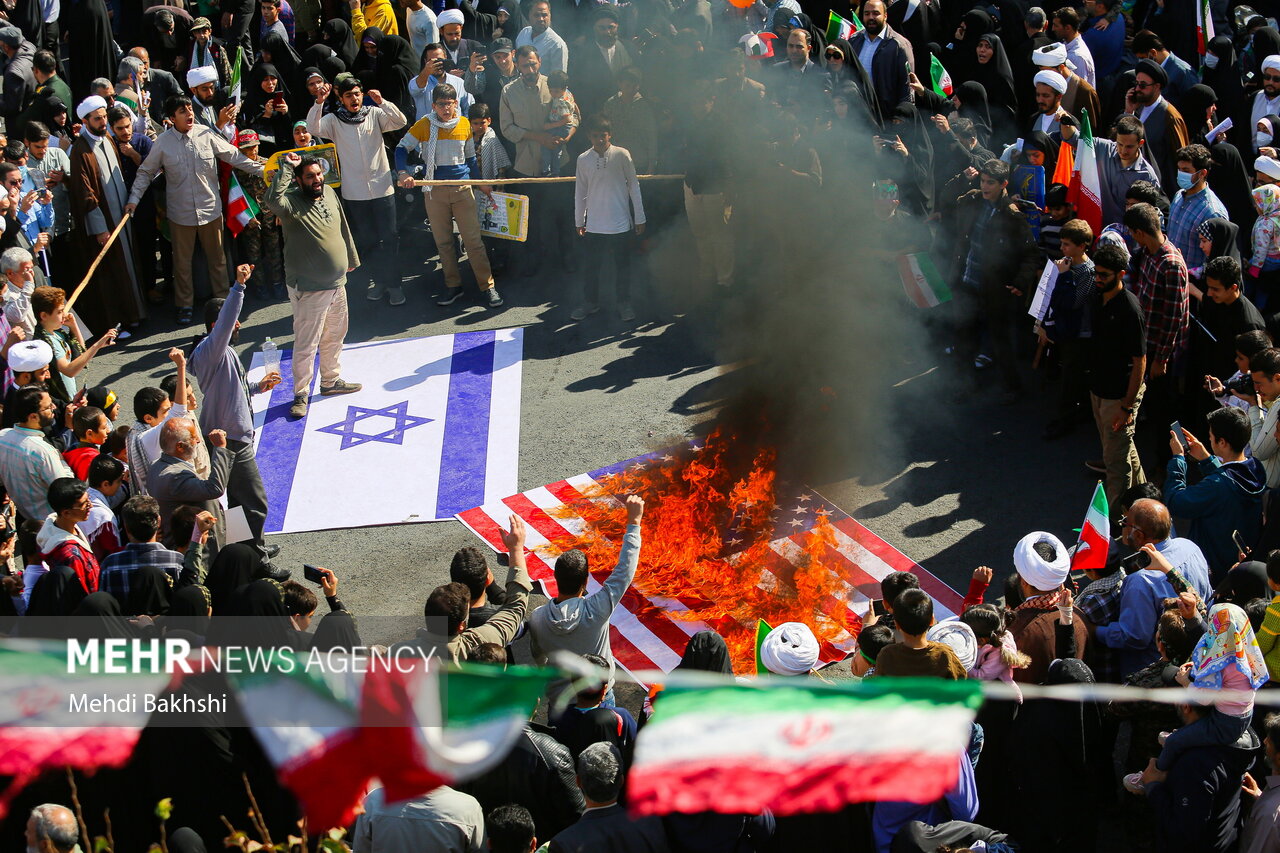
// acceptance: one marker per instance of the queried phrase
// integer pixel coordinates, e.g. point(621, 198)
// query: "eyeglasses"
point(1271, 78)
point(1137, 85)
point(835, 56)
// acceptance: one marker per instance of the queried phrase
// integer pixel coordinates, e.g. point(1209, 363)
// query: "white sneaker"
point(625, 312)
point(375, 292)
point(396, 294)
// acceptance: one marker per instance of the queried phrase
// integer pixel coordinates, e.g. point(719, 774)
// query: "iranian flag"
point(842, 28)
point(41, 730)
point(758, 45)
point(238, 206)
point(941, 78)
point(1086, 189)
point(1095, 534)
point(330, 733)
point(922, 281)
point(793, 746)
point(235, 76)
point(1204, 27)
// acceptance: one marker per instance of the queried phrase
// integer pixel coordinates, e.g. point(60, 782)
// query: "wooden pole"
point(102, 253)
point(556, 180)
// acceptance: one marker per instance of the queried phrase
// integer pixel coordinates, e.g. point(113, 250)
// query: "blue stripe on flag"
point(278, 458)
point(464, 457)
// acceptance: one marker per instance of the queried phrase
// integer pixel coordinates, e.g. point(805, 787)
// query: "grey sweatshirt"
point(581, 625)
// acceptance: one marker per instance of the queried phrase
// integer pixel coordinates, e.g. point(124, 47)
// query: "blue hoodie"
point(1229, 497)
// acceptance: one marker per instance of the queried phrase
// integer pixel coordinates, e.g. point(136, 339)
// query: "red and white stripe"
point(642, 634)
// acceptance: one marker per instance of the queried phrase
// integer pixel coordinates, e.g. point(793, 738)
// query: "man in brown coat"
point(98, 194)
point(1043, 565)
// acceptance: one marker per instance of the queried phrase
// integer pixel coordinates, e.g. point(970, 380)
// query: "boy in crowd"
point(59, 329)
point(916, 656)
point(562, 119)
point(259, 243)
point(105, 477)
point(91, 428)
point(494, 163)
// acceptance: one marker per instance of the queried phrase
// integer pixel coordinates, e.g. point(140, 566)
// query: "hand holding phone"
point(1241, 549)
point(1176, 429)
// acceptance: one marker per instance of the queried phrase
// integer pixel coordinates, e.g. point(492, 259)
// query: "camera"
point(1241, 385)
point(1136, 562)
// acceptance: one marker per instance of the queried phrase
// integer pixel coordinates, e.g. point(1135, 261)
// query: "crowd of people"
point(183, 147)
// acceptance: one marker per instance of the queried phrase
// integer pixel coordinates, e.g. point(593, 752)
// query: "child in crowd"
point(494, 163)
point(562, 118)
point(1227, 657)
point(105, 399)
point(871, 641)
point(891, 586)
point(152, 407)
point(1248, 344)
point(259, 243)
point(91, 428)
point(1264, 263)
point(998, 654)
point(105, 477)
point(915, 655)
point(59, 329)
point(1060, 213)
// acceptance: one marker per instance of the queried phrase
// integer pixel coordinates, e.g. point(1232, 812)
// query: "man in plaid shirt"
point(1194, 204)
point(141, 517)
point(1160, 284)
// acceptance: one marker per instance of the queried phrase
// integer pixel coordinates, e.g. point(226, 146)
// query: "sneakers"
point(375, 291)
point(1096, 465)
point(397, 295)
point(495, 300)
point(625, 313)
point(1133, 784)
point(450, 296)
point(299, 407)
point(340, 387)
point(184, 315)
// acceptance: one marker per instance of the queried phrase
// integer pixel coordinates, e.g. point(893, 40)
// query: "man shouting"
point(318, 254)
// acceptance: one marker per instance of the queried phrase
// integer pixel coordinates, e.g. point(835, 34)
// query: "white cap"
point(1053, 80)
point(26, 356)
point(89, 104)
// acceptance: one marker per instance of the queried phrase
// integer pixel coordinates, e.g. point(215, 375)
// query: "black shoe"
point(275, 573)
point(272, 551)
point(451, 295)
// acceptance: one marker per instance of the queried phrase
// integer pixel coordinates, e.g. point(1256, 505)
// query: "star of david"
point(352, 437)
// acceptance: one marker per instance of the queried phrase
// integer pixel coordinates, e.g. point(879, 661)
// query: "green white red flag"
point(1085, 191)
point(793, 746)
point(238, 206)
point(1095, 534)
point(842, 28)
point(1204, 27)
point(926, 287)
point(941, 78)
point(329, 733)
point(39, 728)
point(235, 76)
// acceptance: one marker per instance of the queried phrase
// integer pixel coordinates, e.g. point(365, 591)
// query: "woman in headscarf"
point(336, 33)
point(1198, 109)
point(846, 75)
point(266, 108)
point(57, 593)
point(99, 617)
point(91, 50)
point(150, 590)
point(993, 72)
point(391, 66)
point(1038, 149)
point(274, 50)
point(322, 58)
point(706, 652)
point(1233, 185)
point(267, 625)
point(1264, 42)
point(1244, 583)
point(970, 99)
point(336, 631)
point(1221, 73)
point(232, 568)
point(960, 57)
point(1113, 98)
point(189, 612)
point(1066, 736)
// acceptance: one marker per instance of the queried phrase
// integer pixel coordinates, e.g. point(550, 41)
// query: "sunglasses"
point(835, 56)
point(1271, 78)
point(1143, 85)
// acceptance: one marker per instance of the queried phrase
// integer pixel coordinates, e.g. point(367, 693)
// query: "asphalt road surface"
point(952, 485)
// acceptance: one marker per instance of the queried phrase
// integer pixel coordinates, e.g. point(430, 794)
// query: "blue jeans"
point(373, 227)
point(551, 156)
point(1215, 729)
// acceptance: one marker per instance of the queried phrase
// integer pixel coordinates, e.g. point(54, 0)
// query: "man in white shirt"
point(552, 50)
point(1066, 29)
point(606, 207)
point(1267, 101)
point(433, 73)
point(420, 21)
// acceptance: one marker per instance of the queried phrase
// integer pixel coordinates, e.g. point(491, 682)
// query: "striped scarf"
point(429, 157)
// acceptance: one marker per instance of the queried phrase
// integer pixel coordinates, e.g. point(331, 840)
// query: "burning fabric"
point(726, 544)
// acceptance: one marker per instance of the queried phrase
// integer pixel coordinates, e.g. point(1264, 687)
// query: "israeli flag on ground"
point(434, 431)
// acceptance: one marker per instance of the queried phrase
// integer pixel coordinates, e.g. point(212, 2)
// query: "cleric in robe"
point(98, 196)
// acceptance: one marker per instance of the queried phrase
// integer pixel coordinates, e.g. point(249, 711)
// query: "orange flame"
point(691, 501)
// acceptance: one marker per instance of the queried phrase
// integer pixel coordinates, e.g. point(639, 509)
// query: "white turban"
point(89, 104)
point(200, 75)
point(1268, 166)
point(1053, 80)
point(1050, 56)
point(959, 637)
point(1033, 569)
point(449, 16)
point(26, 356)
point(789, 649)
point(1271, 63)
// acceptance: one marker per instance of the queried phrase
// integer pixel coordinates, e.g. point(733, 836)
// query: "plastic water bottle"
point(271, 357)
